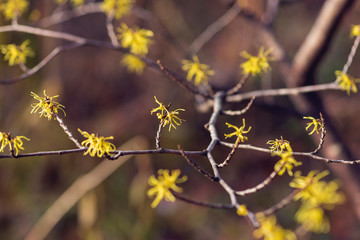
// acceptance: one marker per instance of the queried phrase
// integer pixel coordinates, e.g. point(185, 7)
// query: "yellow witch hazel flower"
point(315, 195)
point(46, 106)
point(16, 54)
point(14, 143)
point(279, 145)
point(256, 65)
point(136, 39)
point(163, 185)
point(242, 210)
point(316, 123)
point(167, 117)
point(97, 146)
point(200, 72)
point(13, 8)
point(355, 31)
point(133, 63)
point(287, 161)
point(346, 82)
point(239, 132)
point(119, 8)
point(269, 230)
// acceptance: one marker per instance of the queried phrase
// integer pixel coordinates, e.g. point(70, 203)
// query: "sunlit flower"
point(346, 82)
point(315, 195)
point(46, 106)
point(316, 123)
point(14, 143)
point(96, 145)
point(279, 145)
point(137, 40)
point(166, 116)
point(17, 54)
point(200, 72)
point(287, 161)
point(242, 210)
point(13, 8)
point(256, 65)
point(119, 8)
point(239, 132)
point(162, 186)
point(355, 31)
point(269, 230)
point(133, 63)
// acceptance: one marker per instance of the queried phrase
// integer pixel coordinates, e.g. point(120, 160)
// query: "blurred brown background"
point(102, 97)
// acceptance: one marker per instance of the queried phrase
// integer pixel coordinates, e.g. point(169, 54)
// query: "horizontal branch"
point(117, 152)
point(282, 92)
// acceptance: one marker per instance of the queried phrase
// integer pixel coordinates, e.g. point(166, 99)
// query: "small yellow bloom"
point(287, 162)
point(136, 39)
point(346, 82)
point(200, 72)
point(133, 63)
point(167, 117)
point(239, 132)
point(119, 8)
point(96, 145)
point(242, 210)
point(355, 31)
point(47, 106)
point(269, 230)
point(162, 186)
point(316, 123)
point(279, 145)
point(256, 65)
point(13, 8)
point(14, 143)
point(16, 54)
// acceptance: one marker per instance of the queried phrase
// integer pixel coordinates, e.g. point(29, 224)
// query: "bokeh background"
point(102, 97)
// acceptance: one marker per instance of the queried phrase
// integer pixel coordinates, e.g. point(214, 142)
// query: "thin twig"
point(230, 155)
point(158, 134)
point(203, 204)
point(214, 28)
point(196, 166)
point(322, 137)
point(110, 30)
point(239, 85)
point(41, 64)
point(240, 112)
point(284, 202)
point(66, 130)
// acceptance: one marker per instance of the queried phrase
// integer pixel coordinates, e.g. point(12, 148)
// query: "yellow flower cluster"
point(239, 132)
point(16, 54)
point(47, 106)
point(167, 117)
point(119, 8)
point(316, 123)
point(315, 195)
point(346, 82)
point(75, 3)
point(14, 143)
point(256, 65)
point(200, 72)
point(279, 145)
point(269, 230)
point(13, 8)
point(163, 185)
point(287, 161)
point(97, 146)
point(137, 40)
